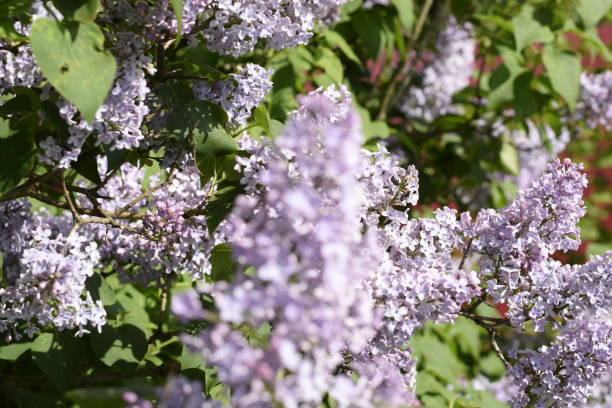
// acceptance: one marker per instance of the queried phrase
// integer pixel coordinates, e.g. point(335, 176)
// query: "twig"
point(163, 301)
point(480, 319)
point(26, 188)
point(144, 195)
point(498, 350)
point(466, 253)
point(390, 93)
point(73, 211)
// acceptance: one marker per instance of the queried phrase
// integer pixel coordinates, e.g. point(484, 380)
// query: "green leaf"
point(87, 166)
point(125, 343)
point(221, 204)
point(501, 82)
point(17, 156)
point(405, 10)
point(13, 8)
point(262, 119)
point(331, 64)
point(564, 72)
point(14, 350)
point(276, 128)
point(492, 366)
point(595, 248)
point(508, 156)
point(336, 40)
point(528, 30)
point(190, 361)
point(23, 398)
point(195, 117)
point(18, 104)
point(100, 289)
point(223, 264)
point(72, 57)
point(591, 11)
point(436, 357)
point(368, 27)
point(177, 6)
point(83, 11)
point(215, 143)
point(59, 356)
point(175, 94)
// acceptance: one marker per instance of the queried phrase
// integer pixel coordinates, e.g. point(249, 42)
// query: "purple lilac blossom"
point(300, 228)
point(17, 67)
point(516, 241)
point(240, 95)
point(595, 102)
point(45, 269)
point(601, 394)
point(232, 28)
point(563, 372)
point(167, 241)
point(535, 149)
point(416, 278)
point(448, 73)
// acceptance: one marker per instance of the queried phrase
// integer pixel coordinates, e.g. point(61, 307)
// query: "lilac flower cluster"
point(17, 67)
point(416, 279)
point(563, 372)
point(240, 95)
point(45, 270)
point(517, 241)
point(448, 73)
point(300, 230)
point(163, 241)
point(601, 394)
point(233, 28)
point(535, 149)
point(595, 103)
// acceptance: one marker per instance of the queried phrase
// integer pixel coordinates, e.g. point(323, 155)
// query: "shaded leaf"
point(528, 30)
point(564, 72)
point(79, 10)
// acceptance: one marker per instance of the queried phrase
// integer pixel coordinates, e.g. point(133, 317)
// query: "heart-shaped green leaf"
point(72, 57)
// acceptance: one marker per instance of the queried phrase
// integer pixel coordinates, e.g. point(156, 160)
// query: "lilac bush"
point(313, 203)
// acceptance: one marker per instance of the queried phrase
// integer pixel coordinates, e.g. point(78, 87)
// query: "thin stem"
point(390, 93)
point(479, 319)
point(68, 198)
point(498, 350)
point(466, 253)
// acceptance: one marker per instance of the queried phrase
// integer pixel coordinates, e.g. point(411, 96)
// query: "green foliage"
point(448, 356)
point(564, 72)
point(527, 29)
point(71, 55)
point(83, 11)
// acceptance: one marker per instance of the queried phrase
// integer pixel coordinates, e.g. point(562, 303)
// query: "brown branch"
point(466, 253)
point(27, 188)
point(498, 350)
point(488, 321)
point(144, 195)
